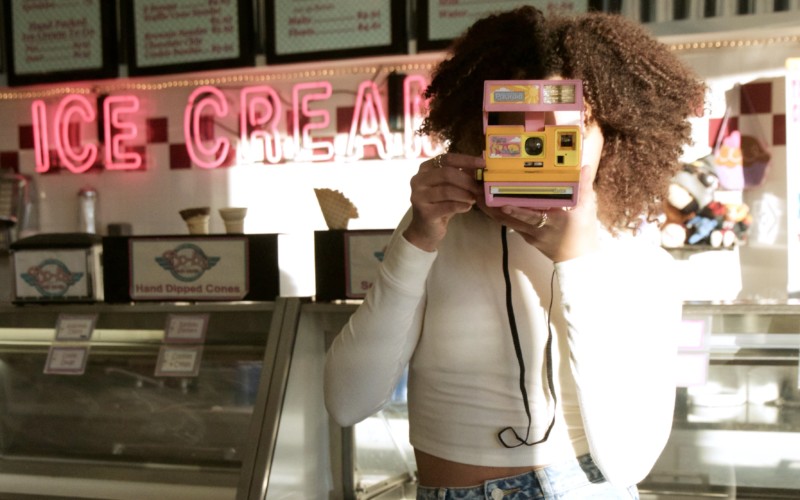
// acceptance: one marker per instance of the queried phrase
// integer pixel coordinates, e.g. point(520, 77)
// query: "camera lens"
point(534, 146)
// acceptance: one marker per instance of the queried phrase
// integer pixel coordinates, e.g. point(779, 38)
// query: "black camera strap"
point(520, 360)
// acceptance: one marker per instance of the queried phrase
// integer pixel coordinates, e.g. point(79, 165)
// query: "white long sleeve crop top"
point(614, 317)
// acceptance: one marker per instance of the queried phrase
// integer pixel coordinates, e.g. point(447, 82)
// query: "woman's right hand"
point(443, 186)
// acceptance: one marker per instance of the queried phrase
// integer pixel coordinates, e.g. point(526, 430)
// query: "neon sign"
point(369, 123)
point(116, 156)
point(41, 143)
point(203, 155)
point(319, 91)
point(261, 111)
point(413, 111)
point(259, 115)
point(79, 157)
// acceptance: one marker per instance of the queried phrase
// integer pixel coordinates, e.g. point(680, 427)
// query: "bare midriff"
point(435, 472)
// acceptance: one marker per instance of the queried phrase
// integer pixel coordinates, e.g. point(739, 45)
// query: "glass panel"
point(739, 432)
point(305, 461)
point(736, 433)
point(744, 397)
point(383, 452)
point(118, 410)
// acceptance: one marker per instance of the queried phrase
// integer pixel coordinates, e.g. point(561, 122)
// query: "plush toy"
point(701, 227)
point(673, 235)
point(693, 217)
point(691, 190)
point(728, 162)
point(733, 228)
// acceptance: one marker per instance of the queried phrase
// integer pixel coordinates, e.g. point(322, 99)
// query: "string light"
point(727, 44)
point(222, 80)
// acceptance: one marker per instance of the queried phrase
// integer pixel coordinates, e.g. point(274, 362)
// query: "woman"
point(540, 344)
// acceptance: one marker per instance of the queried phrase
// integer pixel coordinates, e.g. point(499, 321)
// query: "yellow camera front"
point(535, 164)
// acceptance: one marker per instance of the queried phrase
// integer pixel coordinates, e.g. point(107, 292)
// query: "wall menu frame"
point(440, 22)
point(60, 40)
point(179, 37)
point(301, 31)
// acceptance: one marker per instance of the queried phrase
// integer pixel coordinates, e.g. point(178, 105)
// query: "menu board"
point(188, 35)
point(60, 40)
point(313, 30)
point(439, 22)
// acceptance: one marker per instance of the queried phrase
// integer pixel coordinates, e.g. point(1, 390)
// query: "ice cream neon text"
point(264, 135)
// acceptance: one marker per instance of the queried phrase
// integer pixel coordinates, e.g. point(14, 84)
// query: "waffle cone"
point(196, 219)
point(189, 213)
point(336, 208)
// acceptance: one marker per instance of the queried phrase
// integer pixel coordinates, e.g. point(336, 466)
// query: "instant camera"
point(537, 164)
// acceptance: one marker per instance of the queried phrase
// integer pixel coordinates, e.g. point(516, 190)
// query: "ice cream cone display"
point(234, 219)
point(336, 208)
point(196, 219)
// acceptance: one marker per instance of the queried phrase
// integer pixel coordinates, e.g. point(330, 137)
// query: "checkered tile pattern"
point(759, 110)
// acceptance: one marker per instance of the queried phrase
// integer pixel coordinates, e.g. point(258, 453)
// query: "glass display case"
point(736, 432)
point(250, 423)
point(372, 459)
point(737, 422)
point(119, 427)
point(314, 458)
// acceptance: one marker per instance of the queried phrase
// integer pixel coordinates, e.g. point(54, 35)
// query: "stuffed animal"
point(728, 162)
point(702, 226)
point(691, 190)
point(699, 181)
point(692, 216)
point(734, 226)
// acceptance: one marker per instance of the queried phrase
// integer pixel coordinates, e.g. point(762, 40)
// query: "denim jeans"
point(577, 479)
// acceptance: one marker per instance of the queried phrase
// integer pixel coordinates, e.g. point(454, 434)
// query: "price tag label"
point(182, 361)
point(66, 360)
point(75, 327)
point(186, 328)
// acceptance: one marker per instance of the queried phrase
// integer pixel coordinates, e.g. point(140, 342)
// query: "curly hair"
point(638, 92)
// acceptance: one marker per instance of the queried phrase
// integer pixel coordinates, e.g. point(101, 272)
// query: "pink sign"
point(259, 112)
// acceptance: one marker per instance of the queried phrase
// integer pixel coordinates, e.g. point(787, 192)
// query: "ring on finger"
point(437, 162)
point(543, 220)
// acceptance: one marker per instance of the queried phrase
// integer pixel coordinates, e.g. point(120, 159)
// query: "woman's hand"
point(443, 186)
point(564, 234)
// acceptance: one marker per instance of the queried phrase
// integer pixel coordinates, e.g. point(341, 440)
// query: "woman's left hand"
point(560, 234)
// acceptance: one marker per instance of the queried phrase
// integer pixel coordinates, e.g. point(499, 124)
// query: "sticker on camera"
point(504, 146)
